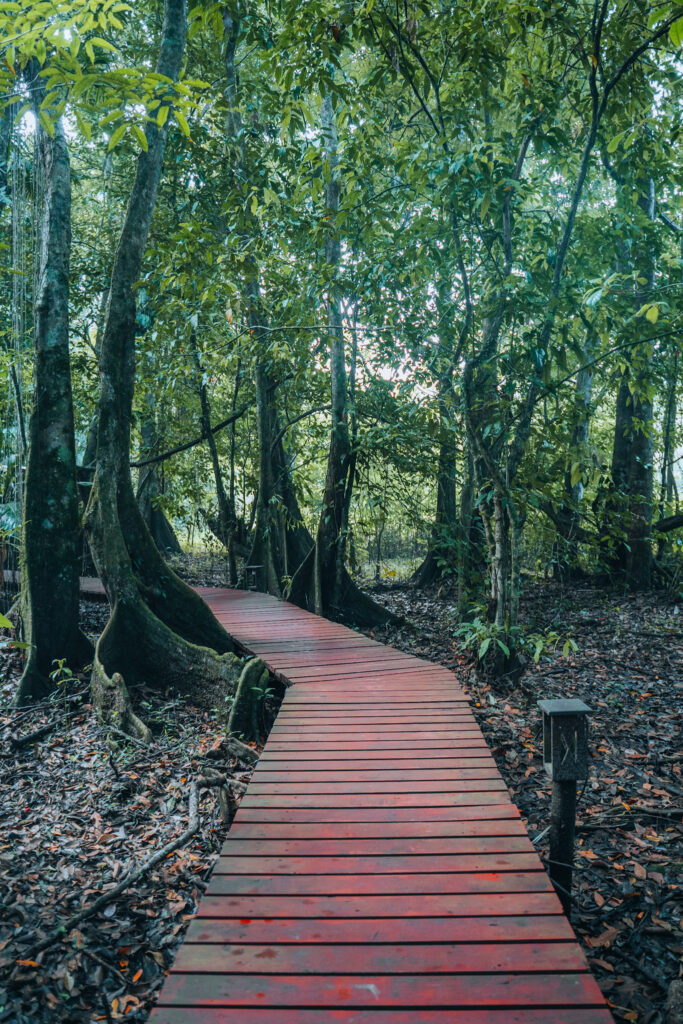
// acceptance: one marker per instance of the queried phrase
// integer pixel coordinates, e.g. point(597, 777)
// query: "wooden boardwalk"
point(376, 871)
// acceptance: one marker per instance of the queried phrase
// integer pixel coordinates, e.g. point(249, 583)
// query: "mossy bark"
point(50, 562)
point(160, 631)
point(246, 717)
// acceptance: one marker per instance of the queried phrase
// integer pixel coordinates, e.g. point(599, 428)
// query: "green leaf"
point(103, 44)
point(83, 127)
point(116, 136)
point(653, 312)
point(46, 123)
point(162, 116)
point(484, 646)
point(254, 203)
point(140, 136)
point(182, 123)
point(676, 32)
point(5, 622)
point(485, 203)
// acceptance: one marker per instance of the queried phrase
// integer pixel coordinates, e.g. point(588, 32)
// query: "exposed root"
point(354, 606)
point(246, 716)
point(138, 647)
point(113, 704)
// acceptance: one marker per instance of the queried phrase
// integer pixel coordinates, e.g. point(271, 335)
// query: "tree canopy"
point(349, 290)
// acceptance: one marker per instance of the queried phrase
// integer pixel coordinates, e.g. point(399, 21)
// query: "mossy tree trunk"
point(160, 631)
point(50, 577)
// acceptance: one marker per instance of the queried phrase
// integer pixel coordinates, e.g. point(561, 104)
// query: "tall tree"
point(322, 581)
point(50, 562)
point(159, 629)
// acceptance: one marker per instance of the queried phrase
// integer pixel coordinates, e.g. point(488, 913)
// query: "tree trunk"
point(266, 556)
point(471, 543)
point(50, 576)
point(149, 489)
point(566, 556)
point(322, 581)
point(160, 631)
point(7, 114)
point(226, 527)
point(666, 493)
point(667, 489)
point(441, 558)
point(281, 541)
point(629, 503)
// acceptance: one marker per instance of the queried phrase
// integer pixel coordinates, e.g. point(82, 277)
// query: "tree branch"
point(197, 440)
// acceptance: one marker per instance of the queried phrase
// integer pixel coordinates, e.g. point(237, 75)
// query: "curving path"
point(376, 871)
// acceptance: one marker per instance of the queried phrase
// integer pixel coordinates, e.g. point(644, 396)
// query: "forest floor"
point(628, 667)
point(79, 807)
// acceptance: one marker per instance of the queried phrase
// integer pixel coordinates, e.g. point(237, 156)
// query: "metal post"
point(565, 759)
point(562, 825)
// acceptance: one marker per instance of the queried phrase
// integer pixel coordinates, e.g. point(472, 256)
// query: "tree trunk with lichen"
point(159, 631)
point(50, 562)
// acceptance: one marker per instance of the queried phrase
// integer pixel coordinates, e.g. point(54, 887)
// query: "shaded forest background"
point(346, 291)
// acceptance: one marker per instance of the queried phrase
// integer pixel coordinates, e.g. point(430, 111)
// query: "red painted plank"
point(298, 698)
point(442, 726)
point(441, 845)
point(373, 769)
point(414, 737)
point(339, 865)
point(448, 745)
point(483, 769)
point(312, 719)
point(378, 830)
point(397, 906)
point(345, 656)
point(419, 800)
point(387, 758)
point(486, 780)
point(483, 811)
point(320, 723)
point(487, 958)
point(492, 990)
point(212, 1015)
point(248, 928)
point(379, 885)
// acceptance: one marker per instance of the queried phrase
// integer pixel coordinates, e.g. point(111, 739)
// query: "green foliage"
point(461, 135)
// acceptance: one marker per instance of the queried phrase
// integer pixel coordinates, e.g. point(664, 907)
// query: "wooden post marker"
point(565, 759)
